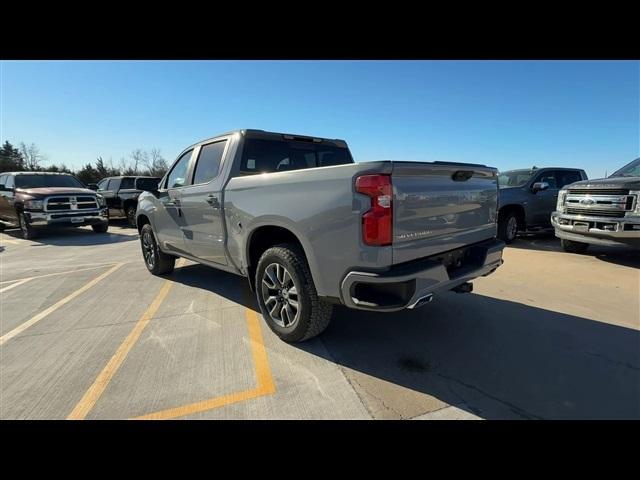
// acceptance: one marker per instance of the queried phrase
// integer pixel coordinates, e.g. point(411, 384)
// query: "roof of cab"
point(253, 132)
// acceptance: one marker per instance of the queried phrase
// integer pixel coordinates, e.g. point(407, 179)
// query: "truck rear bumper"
point(605, 231)
point(405, 286)
point(63, 219)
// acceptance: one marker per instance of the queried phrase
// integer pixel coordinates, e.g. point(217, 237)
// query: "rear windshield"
point(265, 156)
point(36, 181)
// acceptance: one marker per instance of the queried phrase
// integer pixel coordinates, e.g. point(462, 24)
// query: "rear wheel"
point(508, 227)
point(156, 262)
point(573, 247)
point(287, 295)
point(28, 232)
point(130, 211)
point(101, 227)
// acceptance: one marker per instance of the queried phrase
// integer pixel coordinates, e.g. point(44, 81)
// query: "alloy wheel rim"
point(148, 250)
point(280, 295)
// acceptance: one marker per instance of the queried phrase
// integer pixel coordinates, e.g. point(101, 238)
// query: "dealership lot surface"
point(87, 332)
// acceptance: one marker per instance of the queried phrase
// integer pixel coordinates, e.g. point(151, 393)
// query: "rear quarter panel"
point(319, 206)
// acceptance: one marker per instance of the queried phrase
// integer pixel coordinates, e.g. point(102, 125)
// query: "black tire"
point(573, 247)
point(2, 227)
point(28, 232)
point(101, 227)
point(313, 314)
point(130, 212)
point(156, 262)
point(507, 227)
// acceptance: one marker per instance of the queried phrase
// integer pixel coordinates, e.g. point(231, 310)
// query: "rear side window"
point(103, 184)
point(9, 181)
point(266, 156)
point(209, 161)
point(127, 183)
point(3, 178)
point(565, 178)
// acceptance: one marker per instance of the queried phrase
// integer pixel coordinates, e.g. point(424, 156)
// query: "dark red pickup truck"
point(36, 200)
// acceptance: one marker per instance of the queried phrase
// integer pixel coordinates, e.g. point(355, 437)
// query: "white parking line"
point(21, 328)
point(16, 284)
point(58, 273)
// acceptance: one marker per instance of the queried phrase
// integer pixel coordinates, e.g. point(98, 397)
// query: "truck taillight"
point(377, 222)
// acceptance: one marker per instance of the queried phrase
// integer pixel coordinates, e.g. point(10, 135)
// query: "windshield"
point(629, 170)
point(37, 181)
point(514, 178)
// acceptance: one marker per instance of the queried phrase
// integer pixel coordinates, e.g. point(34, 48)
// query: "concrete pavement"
point(549, 335)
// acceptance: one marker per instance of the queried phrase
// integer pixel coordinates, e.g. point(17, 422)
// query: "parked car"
point(310, 228)
point(605, 211)
point(37, 200)
point(527, 198)
point(121, 195)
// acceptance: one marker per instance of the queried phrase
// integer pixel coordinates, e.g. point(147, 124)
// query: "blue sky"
point(508, 114)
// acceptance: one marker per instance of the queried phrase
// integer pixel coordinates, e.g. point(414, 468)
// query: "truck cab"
point(527, 197)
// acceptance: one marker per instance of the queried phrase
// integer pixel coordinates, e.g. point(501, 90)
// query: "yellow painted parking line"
point(21, 328)
point(95, 391)
point(264, 380)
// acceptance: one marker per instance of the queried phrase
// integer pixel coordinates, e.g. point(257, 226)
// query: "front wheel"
point(131, 215)
point(28, 232)
point(101, 227)
point(573, 247)
point(156, 261)
point(508, 227)
point(287, 295)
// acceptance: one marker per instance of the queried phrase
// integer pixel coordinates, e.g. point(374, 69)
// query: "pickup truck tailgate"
point(441, 206)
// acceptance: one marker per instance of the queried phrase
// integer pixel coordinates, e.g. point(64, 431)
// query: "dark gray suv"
point(527, 197)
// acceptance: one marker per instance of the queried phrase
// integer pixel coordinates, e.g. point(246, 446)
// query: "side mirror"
point(539, 186)
point(147, 184)
point(92, 186)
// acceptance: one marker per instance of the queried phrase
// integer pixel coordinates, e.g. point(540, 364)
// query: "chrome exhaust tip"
point(421, 301)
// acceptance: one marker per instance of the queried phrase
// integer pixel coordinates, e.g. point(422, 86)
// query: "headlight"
point(636, 210)
point(562, 195)
point(33, 204)
point(101, 201)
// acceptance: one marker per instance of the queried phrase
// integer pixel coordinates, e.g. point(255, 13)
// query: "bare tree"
point(155, 163)
point(138, 157)
point(31, 155)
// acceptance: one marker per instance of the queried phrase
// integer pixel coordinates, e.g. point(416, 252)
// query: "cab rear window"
point(266, 156)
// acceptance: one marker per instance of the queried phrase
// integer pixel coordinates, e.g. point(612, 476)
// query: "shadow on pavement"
point(74, 237)
point(618, 255)
point(494, 358)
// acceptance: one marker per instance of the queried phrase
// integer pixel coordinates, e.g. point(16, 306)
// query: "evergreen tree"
point(10, 158)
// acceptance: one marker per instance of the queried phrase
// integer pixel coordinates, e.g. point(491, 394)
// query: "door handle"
point(213, 201)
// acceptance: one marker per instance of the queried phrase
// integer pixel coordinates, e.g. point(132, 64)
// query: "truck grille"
point(598, 191)
point(63, 204)
point(593, 212)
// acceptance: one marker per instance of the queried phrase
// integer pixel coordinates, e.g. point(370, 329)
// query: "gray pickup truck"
point(604, 211)
point(310, 228)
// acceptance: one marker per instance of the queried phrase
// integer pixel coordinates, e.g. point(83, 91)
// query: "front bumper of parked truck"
point(607, 231)
point(41, 219)
point(415, 283)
